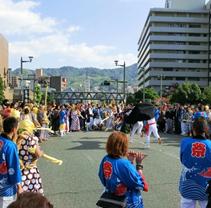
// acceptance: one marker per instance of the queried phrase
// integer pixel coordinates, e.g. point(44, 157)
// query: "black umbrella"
point(141, 112)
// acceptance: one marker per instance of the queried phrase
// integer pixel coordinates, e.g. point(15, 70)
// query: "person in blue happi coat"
point(118, 174)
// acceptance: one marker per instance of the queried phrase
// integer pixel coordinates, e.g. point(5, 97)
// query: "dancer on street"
point(137, 127)
point(151, 127)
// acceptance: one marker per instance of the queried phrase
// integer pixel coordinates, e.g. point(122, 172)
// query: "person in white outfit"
point(137, 127)
point(152, 128)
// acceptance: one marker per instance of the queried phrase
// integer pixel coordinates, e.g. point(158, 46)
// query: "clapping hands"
point(138, 156)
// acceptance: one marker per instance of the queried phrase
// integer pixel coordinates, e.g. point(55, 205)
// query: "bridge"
point(61, 97)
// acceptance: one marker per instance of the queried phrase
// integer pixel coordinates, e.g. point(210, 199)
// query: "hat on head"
point(27, 125)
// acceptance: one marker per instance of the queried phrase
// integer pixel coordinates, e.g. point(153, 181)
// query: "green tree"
point(1, 90)
point(187, 93)
point(150, 94)
point(207, 95)
point(50, 98)
point(37, 94)
point(195, 94)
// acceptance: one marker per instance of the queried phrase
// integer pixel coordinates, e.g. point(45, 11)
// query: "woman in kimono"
point(29, 153)
point(75, 124)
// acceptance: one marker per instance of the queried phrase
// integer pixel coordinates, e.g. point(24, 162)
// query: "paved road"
point(75, 184)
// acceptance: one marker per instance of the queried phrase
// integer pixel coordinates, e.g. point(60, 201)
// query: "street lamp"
point(124, 81)
point(24, 61)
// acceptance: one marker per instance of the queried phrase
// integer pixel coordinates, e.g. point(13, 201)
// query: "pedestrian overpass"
point(62, 97)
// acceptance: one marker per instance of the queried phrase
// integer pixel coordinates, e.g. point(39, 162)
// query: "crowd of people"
point(62, 119)
point(24, 126)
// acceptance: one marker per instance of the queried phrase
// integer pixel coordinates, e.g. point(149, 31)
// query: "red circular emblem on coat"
point(121, 189)
point(3, 168)
point(1, 144)
point(107, 170)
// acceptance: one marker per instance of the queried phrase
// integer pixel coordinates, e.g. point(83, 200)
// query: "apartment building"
point(174, 45)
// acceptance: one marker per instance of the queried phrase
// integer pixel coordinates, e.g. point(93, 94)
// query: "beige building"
point(4, 60)
point(39, 73)
point(4, 53)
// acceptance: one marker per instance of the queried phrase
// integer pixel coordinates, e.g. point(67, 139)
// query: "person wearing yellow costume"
point(14, 112)
point(29, 153)
point(34, 111)
point(31, 180)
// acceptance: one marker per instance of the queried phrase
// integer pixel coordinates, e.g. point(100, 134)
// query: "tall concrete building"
point(4, 60)
point(174, 45)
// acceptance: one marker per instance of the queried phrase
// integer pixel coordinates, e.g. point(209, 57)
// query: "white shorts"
point(189, 203)
point(5, 201)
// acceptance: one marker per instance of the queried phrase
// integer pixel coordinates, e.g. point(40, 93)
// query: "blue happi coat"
point(120, 177)
point(195, 156)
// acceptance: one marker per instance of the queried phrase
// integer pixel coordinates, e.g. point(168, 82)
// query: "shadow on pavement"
point(88, 145)
point(92, 138)
point(171, 140)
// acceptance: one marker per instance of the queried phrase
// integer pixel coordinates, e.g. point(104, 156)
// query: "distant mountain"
point(77, 76)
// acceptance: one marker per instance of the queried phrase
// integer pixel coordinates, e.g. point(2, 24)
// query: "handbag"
point(109, 200)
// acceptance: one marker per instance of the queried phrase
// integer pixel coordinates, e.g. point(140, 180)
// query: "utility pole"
point(161, 86)
point(124, 77)
point(143, 83)
point(117, 86)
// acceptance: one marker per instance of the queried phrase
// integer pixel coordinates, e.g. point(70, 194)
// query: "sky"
point(79, 33)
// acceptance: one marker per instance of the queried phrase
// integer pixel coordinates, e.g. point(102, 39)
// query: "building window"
point(167, 78)
point(168, 69)
point(194, 35)
point(194, 43)
point(194, 52)
point(194, 79)
point(193, 61)
point(194, 25)
point(180, 78)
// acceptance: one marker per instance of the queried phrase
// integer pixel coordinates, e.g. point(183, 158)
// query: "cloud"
point(18, 18)
point(72, 29)
point(48, 40)
point(59, 45)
